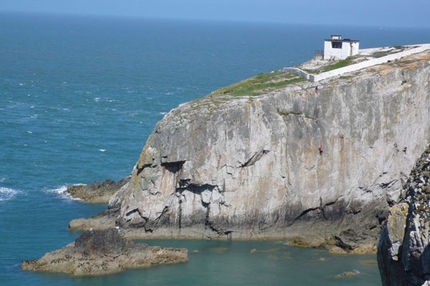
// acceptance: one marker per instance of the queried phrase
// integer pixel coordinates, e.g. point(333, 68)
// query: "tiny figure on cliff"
point(316, 89)
point(405, 149)
point(320, 148)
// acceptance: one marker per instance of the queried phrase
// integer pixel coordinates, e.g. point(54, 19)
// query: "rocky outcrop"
point(98, 252)
point(250, 167)
point(97, 192)
point(404, 249)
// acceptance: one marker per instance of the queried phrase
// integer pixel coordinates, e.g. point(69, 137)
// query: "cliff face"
point(404, 245)
point(250, 167)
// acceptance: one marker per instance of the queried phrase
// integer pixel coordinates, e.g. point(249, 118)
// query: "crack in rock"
point(256, 157)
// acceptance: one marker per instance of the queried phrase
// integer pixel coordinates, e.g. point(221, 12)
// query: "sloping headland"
point(315, 162)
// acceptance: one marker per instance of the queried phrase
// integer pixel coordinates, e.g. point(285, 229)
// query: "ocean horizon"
point(81, 94)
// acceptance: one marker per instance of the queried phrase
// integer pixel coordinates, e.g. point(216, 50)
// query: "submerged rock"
point(98, 252)
point(348, 274)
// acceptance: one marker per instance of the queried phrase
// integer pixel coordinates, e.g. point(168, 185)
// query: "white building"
point(336, 48)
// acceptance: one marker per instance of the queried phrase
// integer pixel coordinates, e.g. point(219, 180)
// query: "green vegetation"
point(394, 50)
point(380, 54)
point(259, 84)
point(340, 64)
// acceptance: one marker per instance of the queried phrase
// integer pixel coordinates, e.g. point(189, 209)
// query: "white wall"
point(348, 49)
point(355, 48)
point(296, 71)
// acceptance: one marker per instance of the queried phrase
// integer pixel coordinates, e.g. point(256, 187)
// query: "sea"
point(80, 94)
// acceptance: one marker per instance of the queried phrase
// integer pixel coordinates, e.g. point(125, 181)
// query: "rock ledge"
point(98, 252)
point(97, 192)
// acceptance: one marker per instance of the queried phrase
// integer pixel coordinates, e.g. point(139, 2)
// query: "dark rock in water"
point(97, 192)
point(98, 252)
point(102, 242)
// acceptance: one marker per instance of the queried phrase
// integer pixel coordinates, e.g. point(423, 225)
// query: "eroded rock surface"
point(98, 252)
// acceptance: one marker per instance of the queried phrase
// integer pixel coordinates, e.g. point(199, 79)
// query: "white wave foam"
point(102, 150)
point(61, 193)
point(59, 190)
point(7, 194)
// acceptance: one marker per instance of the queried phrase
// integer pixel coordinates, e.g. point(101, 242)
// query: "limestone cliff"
point(250, 166)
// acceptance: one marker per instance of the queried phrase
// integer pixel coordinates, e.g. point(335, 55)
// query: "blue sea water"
point(80, 94)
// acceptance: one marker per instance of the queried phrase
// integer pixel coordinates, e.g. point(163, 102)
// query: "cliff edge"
point(320, 166)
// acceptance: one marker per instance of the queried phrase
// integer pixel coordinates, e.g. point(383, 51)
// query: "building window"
point(336, 45)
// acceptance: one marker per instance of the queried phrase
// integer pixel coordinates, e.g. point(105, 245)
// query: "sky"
point(382, 13)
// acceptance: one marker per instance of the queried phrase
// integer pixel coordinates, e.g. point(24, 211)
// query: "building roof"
point(341, 40)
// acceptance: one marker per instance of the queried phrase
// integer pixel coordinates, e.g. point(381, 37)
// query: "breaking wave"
point(61, 193)
point(7, 194)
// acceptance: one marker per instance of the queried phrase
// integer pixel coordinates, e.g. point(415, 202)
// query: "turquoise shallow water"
point(78, 97)
point(240, 263)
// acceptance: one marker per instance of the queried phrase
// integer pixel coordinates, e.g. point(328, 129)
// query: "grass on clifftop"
point(329, 67)
point(260, 84)
point(340, 64)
